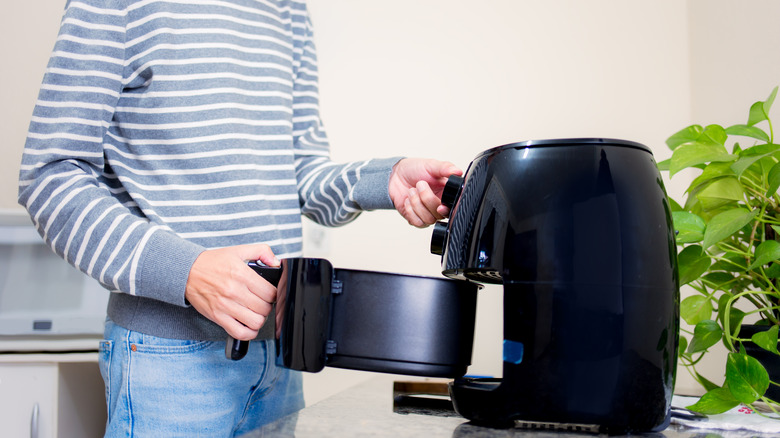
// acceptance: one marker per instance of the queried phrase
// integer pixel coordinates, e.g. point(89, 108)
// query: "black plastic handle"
point(235, 349)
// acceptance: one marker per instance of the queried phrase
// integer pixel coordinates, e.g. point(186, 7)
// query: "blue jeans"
point(158, 387)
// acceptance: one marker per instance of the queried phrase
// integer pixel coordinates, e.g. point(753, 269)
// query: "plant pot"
point(769, 360)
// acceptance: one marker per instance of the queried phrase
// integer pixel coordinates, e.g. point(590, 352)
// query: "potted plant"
point(728, 237)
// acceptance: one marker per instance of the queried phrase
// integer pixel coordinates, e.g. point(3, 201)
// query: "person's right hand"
point(225, 290)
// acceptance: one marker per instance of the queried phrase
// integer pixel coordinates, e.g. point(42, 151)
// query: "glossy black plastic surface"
point(579, 233)
point(403, 324)
point(373, 321)
point(303, 313)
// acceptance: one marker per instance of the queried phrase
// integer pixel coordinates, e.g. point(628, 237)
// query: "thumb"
point(258, 251)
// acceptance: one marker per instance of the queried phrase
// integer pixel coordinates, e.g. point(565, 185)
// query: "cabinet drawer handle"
point(34, 422)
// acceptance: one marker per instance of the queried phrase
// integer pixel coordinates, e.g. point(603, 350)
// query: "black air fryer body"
point(579, 233)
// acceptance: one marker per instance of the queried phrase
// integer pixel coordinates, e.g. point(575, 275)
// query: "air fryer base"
point(485, 402)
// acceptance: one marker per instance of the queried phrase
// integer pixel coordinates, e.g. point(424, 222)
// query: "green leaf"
point(759, 111)
point(774, 180)
point(714, 135)
point(748, 131)
point(767, 339)
point(692, 202)
point(683, 344)
point(664, 165)
point(692, 262)
point(706, 334)
point(764, 166)
point(685, 135)
point(716, 401)
point(718, 280)
point(750, 156)
point(705, 382)
point(760, 150)
point(773, 271)
point(768, 251)
point(720, 192)
point(692, 154)
point(770, 100)
point(695, 309)
point(689, 226)
point(747, 378)
point(674, 205)
point(725, 224)
point(711, 172)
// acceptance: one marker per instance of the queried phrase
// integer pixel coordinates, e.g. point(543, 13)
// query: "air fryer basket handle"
point(235, 349)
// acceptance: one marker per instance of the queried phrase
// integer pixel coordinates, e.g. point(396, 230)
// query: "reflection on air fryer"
point(430, 397)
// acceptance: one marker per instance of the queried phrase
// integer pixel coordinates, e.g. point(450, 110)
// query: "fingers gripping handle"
point(235, 349)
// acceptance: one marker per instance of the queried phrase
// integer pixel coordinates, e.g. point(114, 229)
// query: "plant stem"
point(770, 403)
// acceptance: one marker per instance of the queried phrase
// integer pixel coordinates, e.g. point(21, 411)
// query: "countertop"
point(368, 409)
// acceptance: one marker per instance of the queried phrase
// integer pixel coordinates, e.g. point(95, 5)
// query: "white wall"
point(450, 78)
point(735, 58)
point(27, 33)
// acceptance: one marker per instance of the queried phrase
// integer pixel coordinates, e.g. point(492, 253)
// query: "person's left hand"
point(415, 188)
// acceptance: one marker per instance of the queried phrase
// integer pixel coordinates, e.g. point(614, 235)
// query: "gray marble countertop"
point(368, 409)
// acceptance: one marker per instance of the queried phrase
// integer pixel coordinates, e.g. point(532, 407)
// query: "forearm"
point(335, 194)
point(100, 236)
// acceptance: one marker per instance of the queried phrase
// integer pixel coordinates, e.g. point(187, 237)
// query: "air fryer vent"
point(558, 427)
point(484, 276)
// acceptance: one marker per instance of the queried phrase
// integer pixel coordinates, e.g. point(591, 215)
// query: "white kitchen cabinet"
point(51, 396)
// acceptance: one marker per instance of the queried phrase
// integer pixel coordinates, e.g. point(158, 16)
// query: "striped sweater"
point(166, 127)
